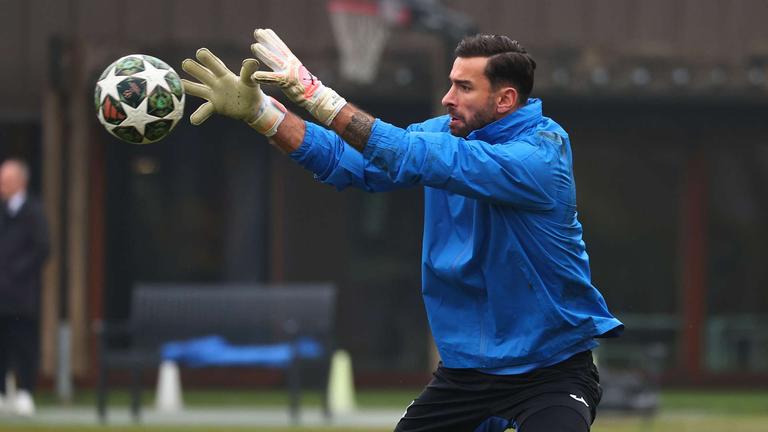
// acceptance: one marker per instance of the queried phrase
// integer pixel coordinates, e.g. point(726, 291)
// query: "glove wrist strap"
point(325, 105)
point(269, 116)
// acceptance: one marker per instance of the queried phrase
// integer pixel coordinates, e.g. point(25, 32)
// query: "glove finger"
point(213, 63)
point(269, 78)
point(277, 44)
point(201, 114)
point(268, 57)
point(198, 71)
point(249, 67)
point(270, 39)
point(196, 89)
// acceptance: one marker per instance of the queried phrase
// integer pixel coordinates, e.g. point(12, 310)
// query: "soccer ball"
point(139, 99)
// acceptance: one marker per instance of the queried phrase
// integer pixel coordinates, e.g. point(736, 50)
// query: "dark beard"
point(478, 121)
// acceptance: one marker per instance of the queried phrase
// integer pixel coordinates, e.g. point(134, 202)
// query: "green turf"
point(607, 424)
point(725, 402)
point(734, 402)
point(681, 411)
point(24, 428)
point(692, 423)
point(212, 398)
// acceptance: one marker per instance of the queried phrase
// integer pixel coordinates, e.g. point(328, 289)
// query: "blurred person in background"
point(23, 250)
point(505, 273)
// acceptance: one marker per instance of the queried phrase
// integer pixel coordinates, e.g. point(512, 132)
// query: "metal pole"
point(58, 72)
point(695, 249)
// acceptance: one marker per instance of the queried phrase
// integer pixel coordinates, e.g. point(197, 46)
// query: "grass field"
point(662, 424)
point(682, 411)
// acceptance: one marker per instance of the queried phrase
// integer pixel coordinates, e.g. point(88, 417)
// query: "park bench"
point(244, 315)
point(631, 366)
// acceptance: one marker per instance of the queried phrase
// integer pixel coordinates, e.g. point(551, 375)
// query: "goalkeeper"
point(505, 273)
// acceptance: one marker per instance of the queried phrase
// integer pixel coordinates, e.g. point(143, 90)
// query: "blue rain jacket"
point(505, 272)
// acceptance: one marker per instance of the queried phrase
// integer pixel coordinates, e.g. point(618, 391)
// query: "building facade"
point(664, 101)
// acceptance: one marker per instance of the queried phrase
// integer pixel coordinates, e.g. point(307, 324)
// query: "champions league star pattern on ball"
point(139, 99)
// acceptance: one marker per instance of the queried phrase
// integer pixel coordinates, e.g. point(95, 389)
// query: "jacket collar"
point(511, 125)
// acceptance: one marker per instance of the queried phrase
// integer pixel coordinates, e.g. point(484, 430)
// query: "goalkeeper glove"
point(227, 94)
point(297, 82)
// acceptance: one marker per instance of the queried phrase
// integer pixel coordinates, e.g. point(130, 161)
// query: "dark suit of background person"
point(24, 246)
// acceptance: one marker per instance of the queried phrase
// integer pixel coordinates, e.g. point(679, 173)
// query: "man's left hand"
point(297, 82)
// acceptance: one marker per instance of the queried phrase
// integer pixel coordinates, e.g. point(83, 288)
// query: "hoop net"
point(361, 29)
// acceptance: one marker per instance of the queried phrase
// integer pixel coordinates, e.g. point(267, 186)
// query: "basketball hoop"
point(361, 29)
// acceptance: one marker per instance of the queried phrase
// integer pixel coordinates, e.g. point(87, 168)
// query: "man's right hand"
point(227, 94)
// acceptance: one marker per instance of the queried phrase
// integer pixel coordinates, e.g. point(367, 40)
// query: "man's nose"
point(448, 99)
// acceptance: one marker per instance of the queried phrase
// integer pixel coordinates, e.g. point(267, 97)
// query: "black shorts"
point(465, 400)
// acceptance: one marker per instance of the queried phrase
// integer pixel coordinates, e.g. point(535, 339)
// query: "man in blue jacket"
point(506, 279)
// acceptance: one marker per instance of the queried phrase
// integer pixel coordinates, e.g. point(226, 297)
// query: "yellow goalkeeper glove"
point(297, 82)
point(238, 97)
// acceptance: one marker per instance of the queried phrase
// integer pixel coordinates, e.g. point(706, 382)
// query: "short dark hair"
point(508, 62)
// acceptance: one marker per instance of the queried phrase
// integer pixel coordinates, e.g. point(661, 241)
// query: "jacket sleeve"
point(335, 162)
point(516, 173)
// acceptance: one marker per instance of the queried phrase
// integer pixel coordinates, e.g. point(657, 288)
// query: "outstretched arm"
point(352, 124)
point(240, 97)
point(307, 91)
point(386, 157)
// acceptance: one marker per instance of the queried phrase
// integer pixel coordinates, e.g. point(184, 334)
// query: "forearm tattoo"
point(358, 130)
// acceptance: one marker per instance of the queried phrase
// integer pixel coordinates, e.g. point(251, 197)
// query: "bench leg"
point(136, 394)
point(101, 394)
point(326, 367)
point(294, 391)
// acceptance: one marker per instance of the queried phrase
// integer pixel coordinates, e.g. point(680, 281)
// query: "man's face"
point(11, 180)
point(471, 102)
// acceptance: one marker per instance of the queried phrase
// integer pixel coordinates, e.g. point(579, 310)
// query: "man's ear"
point(507, 100)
